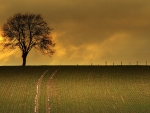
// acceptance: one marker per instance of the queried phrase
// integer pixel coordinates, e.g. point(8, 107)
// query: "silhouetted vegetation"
point(27, 31)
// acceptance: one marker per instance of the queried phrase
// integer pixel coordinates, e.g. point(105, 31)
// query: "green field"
point(75, 89)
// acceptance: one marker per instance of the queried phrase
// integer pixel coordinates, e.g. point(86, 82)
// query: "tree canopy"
point(27, 31)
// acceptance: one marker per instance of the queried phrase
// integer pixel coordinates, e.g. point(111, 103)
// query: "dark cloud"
point(90, 31)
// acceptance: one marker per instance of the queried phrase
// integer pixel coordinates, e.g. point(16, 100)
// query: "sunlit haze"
point(1, 38)
point(86, 31)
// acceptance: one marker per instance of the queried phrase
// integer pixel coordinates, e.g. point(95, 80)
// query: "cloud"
point(10, 58)
point(89, 31)
point(122, 47)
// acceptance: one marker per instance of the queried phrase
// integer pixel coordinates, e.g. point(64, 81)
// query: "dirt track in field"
point(48, 107)
point(37, 93)
point(48, 91)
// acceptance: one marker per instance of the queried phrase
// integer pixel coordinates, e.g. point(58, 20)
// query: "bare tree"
point(27, 31)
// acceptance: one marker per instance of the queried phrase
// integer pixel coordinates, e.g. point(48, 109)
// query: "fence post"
point(106, 63)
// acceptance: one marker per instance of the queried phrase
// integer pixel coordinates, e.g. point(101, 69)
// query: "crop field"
point(75, 89)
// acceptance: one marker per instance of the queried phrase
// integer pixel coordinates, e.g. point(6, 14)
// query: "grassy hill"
point(75, 89)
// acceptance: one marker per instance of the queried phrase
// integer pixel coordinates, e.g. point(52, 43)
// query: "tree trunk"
point(24, 56)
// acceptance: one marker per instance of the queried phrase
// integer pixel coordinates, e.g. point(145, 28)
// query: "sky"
point(87, 31)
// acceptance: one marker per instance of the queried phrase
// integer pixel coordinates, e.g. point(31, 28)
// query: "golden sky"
point(87, 31)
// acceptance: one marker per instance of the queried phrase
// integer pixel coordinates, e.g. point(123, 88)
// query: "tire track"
point(37, 92)
point(48, 89)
